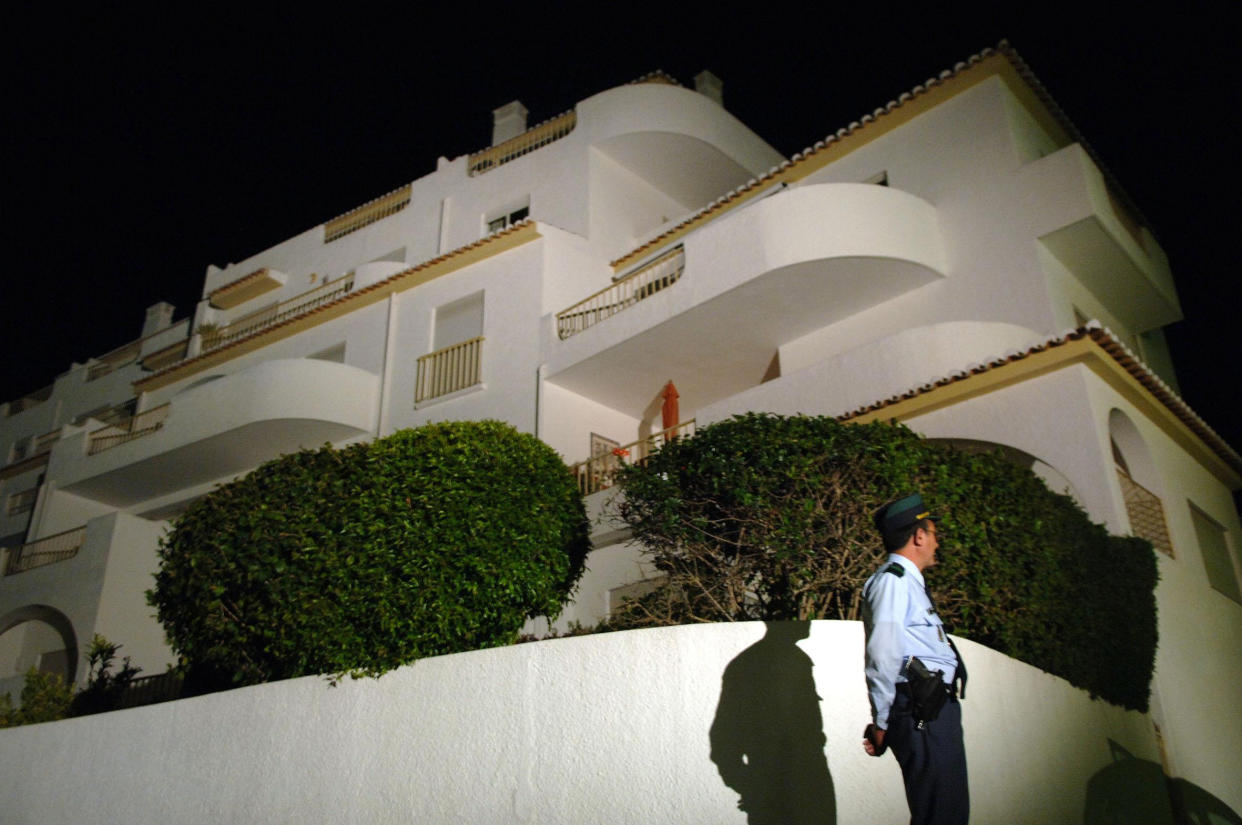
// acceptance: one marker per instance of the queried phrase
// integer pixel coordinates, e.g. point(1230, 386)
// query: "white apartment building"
point(957, 260)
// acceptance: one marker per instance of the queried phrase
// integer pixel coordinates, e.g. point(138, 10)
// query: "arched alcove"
point(1057, 481)
point(1142, 489)
point(37, 636)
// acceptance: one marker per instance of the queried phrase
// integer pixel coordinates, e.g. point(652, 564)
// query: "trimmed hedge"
point(430, 541)
point(769, 517)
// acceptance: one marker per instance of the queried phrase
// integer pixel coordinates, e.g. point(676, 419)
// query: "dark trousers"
point(933, 764)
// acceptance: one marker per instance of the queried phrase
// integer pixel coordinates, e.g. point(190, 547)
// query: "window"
point(1217, 559)
point(507, 218)
point(1146, 513)
point(1139, 482)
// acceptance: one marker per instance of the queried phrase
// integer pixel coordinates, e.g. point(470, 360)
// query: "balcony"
point(449, 370)
point(21, 502)
point(1086, 227)
point(598, 472)
point(127, 429)
point(747, 283)
point(214, 338)
point(45, 551)
point(367, 214)
point(530, 140)
point(222, 426)
point(30, 454)
point(661, 273)
point(112, 361)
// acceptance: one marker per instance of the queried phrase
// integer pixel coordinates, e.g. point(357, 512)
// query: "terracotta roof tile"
point(1002, 48)
point(349, 296)
point(1115, 349)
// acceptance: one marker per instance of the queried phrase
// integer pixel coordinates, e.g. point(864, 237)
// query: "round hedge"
point(770, 517)
point(434, 540)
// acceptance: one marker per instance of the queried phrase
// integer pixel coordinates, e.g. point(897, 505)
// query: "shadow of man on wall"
point(1135, 791)
point(768, 735)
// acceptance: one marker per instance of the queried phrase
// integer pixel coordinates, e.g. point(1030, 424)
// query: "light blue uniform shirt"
point(900, 622)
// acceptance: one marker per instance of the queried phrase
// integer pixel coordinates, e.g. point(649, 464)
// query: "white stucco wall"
point(600, 729)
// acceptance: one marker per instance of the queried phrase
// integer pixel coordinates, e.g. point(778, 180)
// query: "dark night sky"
point(137, 148)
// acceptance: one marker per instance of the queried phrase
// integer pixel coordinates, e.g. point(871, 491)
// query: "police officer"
point(901, 622)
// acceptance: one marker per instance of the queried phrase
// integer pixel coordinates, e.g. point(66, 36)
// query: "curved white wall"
point(652, 108)
point(825, 383)
point(598, 729)
point(225, 426)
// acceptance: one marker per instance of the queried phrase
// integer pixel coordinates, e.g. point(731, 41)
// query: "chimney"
point(710, 86)
point(159, 316)
point(508, 121)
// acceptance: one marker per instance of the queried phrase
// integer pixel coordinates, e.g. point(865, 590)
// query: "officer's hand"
point(873, 741)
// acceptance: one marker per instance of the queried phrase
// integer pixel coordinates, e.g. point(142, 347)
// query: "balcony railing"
point(22, 502)
point(449, 370)
point(597, 473)
point(165, 357)
point(264, 318)
point(114, 360)
point(33, 399)
point(150, 690)
point(144, 423)
point(46, 551)
point(43, 443)
point(528, 141)
point(661, 273)
point(368, 213)
point(35, 446)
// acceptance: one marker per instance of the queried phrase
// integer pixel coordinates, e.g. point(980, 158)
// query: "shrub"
point(769, 517)
point(431, 541)
point(45, 698)
point(104, 688)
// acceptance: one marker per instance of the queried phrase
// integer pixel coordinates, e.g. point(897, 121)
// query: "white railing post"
point(661, 273)
point(597, 472)
point(449, 369)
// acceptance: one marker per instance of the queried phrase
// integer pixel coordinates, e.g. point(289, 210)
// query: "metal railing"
point(114, 360)
point(26, 450)
point(43, 443)
point(597, 473)
point(368, 213)
point(29, 400)
point(150, 690)
point(137, 426)
point(22, 502)
point(1146, 513)
point(250, 324)
point(166, 356)
point(46, 551)
point(528, 141)
point(661, 273)
point(449, 370)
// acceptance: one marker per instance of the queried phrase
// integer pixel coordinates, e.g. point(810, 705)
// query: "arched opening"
point(1140, 482)
point(37, 636)
point(1056, 481)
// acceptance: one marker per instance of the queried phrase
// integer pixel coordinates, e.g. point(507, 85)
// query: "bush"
point(769, 517)
point(45, 698)
point(431, 541)
point(104, 688)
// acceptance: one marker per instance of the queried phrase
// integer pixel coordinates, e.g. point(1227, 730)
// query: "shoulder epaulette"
point(896, 569)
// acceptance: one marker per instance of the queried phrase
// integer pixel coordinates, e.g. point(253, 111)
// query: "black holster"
point(928, 692)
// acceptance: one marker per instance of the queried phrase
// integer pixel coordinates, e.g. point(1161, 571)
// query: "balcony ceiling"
point(725, 345)
point(690, 171)
point(219, 428)
point(220, 456)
